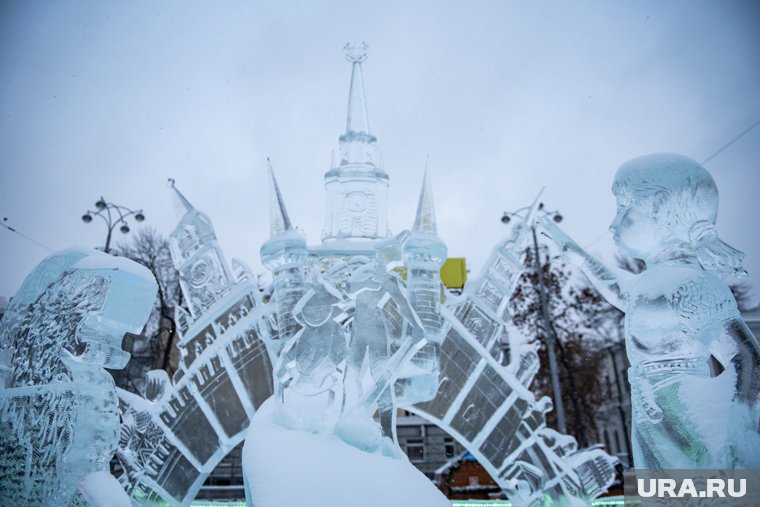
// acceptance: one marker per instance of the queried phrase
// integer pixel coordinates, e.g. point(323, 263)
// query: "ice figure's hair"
point(684, 196)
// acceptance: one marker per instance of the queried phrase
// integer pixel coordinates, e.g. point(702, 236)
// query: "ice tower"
point(204, 275)
point(424, 253)
point(357, 186)
point(176, 435)
point(283, 254)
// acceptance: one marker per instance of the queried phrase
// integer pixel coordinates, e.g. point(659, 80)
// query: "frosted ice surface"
point(59, 417)
point(101, 489)
point(695, 366)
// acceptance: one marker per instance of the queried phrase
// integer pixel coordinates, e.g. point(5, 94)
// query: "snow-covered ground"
point(301, 469)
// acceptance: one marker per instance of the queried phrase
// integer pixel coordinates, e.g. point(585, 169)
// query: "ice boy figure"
point(695, 366)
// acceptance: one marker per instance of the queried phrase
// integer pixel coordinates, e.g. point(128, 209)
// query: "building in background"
point(427, 445)
point(463, 478)
point(613, 418)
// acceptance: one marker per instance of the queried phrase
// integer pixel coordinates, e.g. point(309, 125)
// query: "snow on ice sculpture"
point(59, 419)
point(695, 366)
point(303, 324)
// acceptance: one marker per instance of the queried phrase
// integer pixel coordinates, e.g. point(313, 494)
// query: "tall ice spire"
point(424, 254)
point(180, 203)
point(424, 221)
point(356, 184)
point(357, 146)
point(279, 221)
point(357, 119)
point(284, 254)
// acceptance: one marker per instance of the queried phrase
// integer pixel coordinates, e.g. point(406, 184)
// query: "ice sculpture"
point(174, 437)
point(354, 335)
point(356, 324)
point(59, 419)
point(695, 366)
point(488, 408)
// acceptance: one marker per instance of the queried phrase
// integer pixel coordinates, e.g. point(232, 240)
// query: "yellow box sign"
point(454, 273)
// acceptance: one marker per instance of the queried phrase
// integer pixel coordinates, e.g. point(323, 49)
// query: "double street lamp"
point(527, 216)
point(113, 215)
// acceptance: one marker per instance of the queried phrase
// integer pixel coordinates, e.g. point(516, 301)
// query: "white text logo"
point(714, 487)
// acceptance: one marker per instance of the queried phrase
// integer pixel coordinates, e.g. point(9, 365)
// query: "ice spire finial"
point(278, 215)
point(357, 120)
point(180, 202)
point(425, 219)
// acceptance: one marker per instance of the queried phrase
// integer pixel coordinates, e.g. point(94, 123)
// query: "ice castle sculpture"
point(341, 333)
point(695, 366)
point(59, 417)
point(174, 437)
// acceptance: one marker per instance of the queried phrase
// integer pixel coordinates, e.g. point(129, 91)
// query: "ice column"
point(284, 254)
point(424, 254)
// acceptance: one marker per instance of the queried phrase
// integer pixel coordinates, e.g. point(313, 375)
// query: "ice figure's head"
point(664, 200)
point(315, 307)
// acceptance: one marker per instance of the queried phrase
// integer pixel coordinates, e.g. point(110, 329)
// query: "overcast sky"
point(112, 98)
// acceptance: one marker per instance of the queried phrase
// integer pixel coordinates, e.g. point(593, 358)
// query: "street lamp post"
point(113, 215)
point(526, 215)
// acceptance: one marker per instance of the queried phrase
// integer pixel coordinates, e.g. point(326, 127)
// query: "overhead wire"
point(15, 231)
point(705, 161)
point(732, 141)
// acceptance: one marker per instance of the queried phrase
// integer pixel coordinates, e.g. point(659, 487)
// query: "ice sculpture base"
point(301, 469)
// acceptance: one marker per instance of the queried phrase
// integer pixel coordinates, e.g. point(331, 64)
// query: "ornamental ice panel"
point(59, 420)
point(488, 407)
point(175, 435)
point(695, 366)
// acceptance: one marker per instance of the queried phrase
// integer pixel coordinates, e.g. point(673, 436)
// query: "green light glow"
point(604, 502)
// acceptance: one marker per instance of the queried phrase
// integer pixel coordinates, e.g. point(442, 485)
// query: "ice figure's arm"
point(101, 489)
point(608, 280)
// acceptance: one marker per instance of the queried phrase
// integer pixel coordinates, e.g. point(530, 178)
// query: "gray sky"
point(112, 98)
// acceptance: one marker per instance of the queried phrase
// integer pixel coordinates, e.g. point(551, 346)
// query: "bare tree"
point(573, 308)
point(151, 249)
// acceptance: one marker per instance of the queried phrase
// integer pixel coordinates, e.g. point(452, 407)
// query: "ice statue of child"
point(385, 335)
point(695, 366)
point(309, 374)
